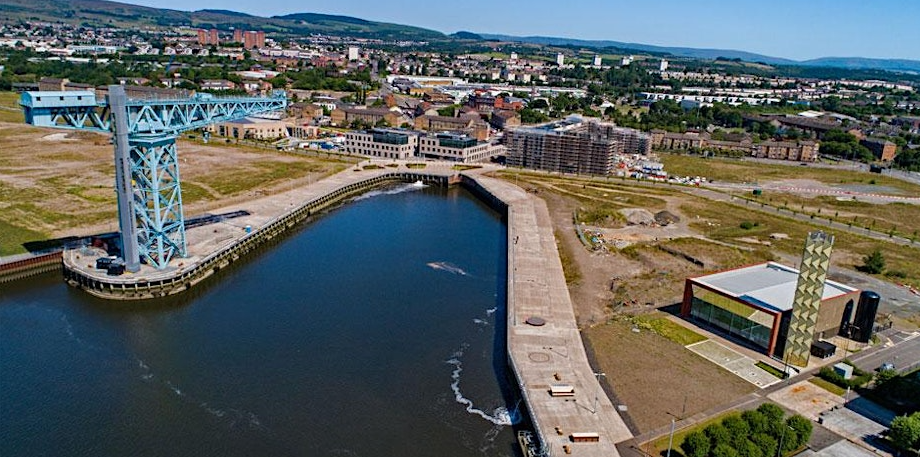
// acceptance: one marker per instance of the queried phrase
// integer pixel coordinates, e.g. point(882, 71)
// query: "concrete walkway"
point(553, 353)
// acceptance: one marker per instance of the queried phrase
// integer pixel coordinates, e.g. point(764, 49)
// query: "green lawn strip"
point(668, 329)
point(828, 386)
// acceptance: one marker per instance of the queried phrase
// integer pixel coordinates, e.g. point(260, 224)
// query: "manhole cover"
point(538, 357)
point(536, 321)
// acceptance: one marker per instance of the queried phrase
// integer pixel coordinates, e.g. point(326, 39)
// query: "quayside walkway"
point(552, 353)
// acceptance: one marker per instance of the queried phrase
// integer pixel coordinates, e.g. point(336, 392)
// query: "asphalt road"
point(904, 354)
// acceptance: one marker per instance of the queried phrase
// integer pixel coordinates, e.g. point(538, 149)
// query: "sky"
point(795, 29)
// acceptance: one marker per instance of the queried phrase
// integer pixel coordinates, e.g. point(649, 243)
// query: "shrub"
point(874, 263)
point(766, 443)
point(718, 435)
point(803, 429)
point(696, 444)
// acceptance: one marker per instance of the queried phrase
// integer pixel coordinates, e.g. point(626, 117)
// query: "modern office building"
point(382, 143)
point(454, 147)
point(754, 304)
point(574, 145)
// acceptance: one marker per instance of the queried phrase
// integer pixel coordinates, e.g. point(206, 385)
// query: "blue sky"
point(796, 29)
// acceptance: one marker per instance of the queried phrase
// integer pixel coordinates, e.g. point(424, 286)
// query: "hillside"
point(103, 12)
point(852, 63)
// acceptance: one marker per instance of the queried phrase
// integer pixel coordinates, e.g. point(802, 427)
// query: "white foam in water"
point(500, 416)
point(491, 311)
point(418, 185)
point(448, 267)
point(174, 388)
point(480, 322)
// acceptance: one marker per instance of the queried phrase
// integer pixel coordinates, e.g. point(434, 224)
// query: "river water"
point(375, 330)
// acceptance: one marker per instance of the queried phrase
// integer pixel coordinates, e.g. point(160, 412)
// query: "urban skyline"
point(787, 29)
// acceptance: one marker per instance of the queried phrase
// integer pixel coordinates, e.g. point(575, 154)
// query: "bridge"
point(147, 182)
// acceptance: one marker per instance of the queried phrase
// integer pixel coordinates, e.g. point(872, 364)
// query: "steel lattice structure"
point(147, 182)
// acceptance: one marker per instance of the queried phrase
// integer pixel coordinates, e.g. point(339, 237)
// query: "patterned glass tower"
point(808, 292)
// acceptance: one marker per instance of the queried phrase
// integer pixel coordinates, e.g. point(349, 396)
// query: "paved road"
point(904, 353)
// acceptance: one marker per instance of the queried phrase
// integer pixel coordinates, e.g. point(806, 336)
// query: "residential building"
point(560, 59)
point(370, 116)
point(252, 128)
point(573, 145)
point(208, 37)
point(470, 124)
point(754, 304)
point(217, 84)
point(505, 119)
point(353, 53)
point(382, 143)
point(882, 149)
point(802, 151)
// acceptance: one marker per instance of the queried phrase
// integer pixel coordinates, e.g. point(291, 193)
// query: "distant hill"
point(103, 12)
point(852, 63)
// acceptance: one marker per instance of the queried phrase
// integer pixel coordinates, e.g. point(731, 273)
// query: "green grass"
point(416, 165)
point(728, 170)
point(12, 238)
point(9, 108)
point(771, 369)
point(569, 267)
point(828, 386)
point(668, 329)
point(465, 167)
point(264, 174)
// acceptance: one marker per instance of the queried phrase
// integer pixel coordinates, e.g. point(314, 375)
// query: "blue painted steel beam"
point(147, 169)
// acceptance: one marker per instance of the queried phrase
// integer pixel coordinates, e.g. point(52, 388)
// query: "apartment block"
point(382, 143)
point(574, 146)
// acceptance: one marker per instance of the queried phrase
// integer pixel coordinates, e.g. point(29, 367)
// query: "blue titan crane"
point(147, 182)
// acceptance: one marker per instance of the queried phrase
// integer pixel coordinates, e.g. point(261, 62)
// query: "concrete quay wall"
point(180, 280)
point(541, 356)
point(21, 267)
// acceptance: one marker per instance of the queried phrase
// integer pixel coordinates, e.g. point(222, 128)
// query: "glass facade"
point(731, 316)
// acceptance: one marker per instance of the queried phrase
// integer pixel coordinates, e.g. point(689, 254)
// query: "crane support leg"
point(123, 188)
point(157, 200)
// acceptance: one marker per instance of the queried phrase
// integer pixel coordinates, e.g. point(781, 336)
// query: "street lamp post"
point(598, 376)
point(779, 450)
point(671, 436)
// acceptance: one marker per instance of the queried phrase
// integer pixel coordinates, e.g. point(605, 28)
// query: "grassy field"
point(722, 221)
point(728, 170)
point(56, 183)
point(897, 217)
point(9, 108)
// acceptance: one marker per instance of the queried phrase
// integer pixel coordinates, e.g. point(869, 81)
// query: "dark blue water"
point(376, 330)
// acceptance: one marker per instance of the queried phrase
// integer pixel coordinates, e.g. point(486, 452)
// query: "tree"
point(696, 444)
point(874, 263)
point(724, 450)
point(803, 429)
point(756, 421)
point(737, 428)
point(717, 434)
point(905, 431)
point(766, 443)
point(747, 448)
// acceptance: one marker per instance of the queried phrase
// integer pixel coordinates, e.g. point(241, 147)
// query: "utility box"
point(844, 370)
point(823, 349)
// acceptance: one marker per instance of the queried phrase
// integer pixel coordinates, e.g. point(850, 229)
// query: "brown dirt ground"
point(653, 376)
point(56, 183)
point(646, 372)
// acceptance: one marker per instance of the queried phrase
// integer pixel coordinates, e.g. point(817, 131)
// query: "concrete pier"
point(553, 353)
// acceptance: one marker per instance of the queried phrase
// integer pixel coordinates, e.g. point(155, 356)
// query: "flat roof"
point(766, 285)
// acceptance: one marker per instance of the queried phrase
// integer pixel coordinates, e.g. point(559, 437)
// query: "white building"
point(663, 66)
point(560, 59)
point(382, 143)
point(353, 53)
point(597, 60)
point(626, 60)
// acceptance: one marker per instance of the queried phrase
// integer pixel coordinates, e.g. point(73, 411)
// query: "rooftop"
point(766, 285)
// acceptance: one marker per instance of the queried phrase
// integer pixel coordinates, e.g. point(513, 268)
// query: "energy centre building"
point(755, 303)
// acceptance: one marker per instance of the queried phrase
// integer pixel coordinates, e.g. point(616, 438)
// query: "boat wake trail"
point(448, 267)
point(235, 418)
point(392, 191)
point(499, 416)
